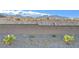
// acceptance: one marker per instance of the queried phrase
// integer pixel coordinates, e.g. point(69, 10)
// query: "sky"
point(66, 8)
point(65, 13)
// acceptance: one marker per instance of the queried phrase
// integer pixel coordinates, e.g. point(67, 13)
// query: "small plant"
point(53, 35)
point(31, 36)
point(68, 39)
point(18, 19)
point(9, 39)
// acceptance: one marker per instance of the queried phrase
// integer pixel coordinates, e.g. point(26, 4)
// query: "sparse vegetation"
point(68, 39)
point(31, 36)
point(18, 19)
point(7, 40)
point(53, 35)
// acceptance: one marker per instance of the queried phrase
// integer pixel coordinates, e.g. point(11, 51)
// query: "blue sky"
point(65, 13)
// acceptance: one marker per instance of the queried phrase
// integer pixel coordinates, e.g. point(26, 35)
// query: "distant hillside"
point(2, 15)
point(29, 17)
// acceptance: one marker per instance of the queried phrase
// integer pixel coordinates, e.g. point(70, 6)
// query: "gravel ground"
point(33, 36)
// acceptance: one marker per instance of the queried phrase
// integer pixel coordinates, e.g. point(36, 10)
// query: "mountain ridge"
point(29, 14)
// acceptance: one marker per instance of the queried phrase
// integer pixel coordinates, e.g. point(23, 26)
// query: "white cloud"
point(36, 13)
point(23, 13)
point(9, 11)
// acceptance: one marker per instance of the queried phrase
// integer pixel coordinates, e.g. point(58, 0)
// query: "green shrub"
point(68, 38)
point(9, 39)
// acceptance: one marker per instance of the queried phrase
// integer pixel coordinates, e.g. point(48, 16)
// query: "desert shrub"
point(31, 36)
point(53, 35)
point(18, 19)
point(8, 39)
point(68, 39)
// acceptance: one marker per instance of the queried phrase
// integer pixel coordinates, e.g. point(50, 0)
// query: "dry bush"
point(18, 19)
